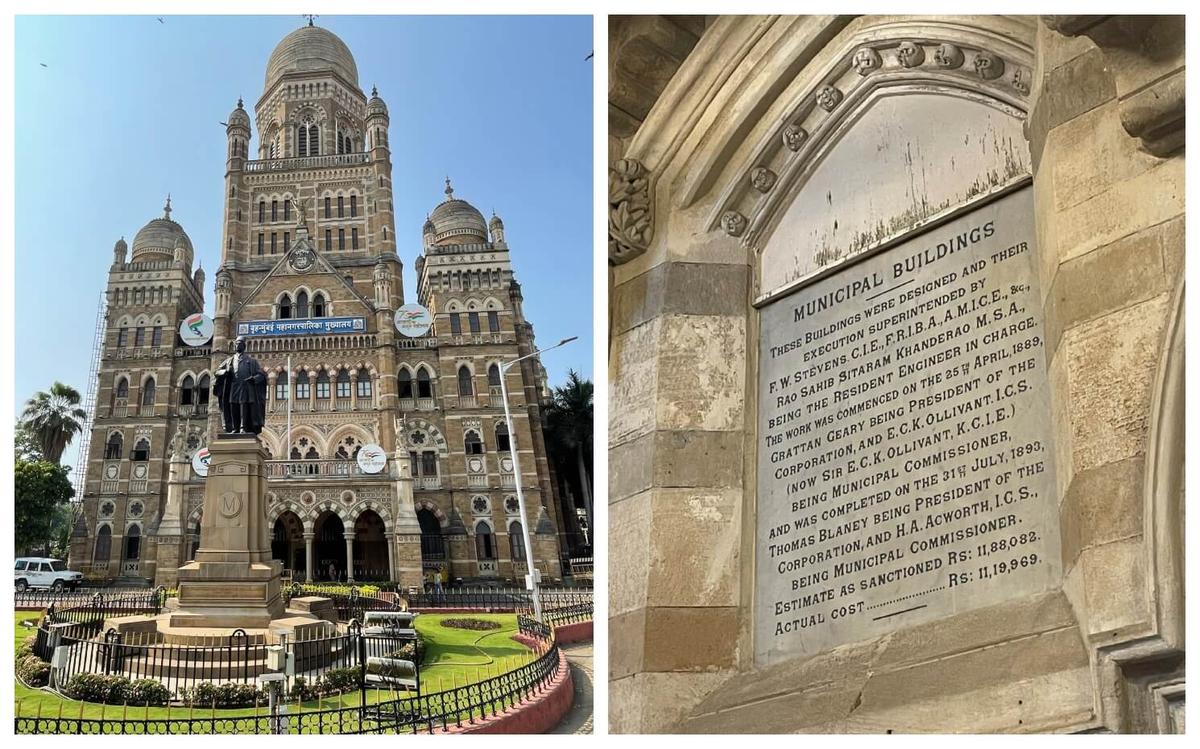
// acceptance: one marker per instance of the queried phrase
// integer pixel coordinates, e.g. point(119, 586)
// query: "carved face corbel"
point(910, 54)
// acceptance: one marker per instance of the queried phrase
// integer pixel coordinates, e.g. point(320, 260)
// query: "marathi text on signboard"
point(905, 462)
point(308, 326)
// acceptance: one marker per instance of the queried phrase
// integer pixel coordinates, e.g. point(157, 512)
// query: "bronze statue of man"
point(241, 390)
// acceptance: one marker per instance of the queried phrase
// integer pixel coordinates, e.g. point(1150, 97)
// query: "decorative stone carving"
point(733, 223)
point(866, 59)
point(1022, 80)
point(794, 137)
point(762, 178)
point(910, 54)
point(988, 66)
point(828, 98)
point(948, 56)
point(630, 220)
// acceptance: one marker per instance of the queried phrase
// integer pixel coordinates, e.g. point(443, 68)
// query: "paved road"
point(579, 719)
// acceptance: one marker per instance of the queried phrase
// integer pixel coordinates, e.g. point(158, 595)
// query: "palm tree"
point(569, 420)
point(53, 419)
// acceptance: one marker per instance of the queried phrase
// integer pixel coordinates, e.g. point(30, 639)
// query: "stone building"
point(852, 259)
point(310, 274)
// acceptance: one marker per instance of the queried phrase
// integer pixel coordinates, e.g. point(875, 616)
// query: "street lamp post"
point(533, 577)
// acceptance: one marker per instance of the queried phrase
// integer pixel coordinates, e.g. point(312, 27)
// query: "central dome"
point(311, 49)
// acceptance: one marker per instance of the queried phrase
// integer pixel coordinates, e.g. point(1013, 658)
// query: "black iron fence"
point(579, 612)
point(67, 598)
point(424, 713)
point(531, 627)
point(498, 599)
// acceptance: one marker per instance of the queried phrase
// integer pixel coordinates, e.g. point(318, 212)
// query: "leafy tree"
point(53, 419)
point(41, 488)
point(25, 446)
point(569, 434)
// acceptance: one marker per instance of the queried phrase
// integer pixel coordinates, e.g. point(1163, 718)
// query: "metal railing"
point(306, 162)
point(498, 599)
point(433, 712)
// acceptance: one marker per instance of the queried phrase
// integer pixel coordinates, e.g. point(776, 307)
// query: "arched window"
point(314, 140)
point(318, 304)
point(185, 391)
point(281, 386)
point(493, 376)
point(473, 322)
point(112, 448)
point(262, 208)
point(485, 545)
point(323, 385)
point(502, 444)
point(308, 138)
point(364, 383)
point(285, 307)
point(141, 450)
point(464, 381)
point(472, 445)
point(424, 384)
point(202, 389)
point(122, 337)
point(103, 548)
point(122, 387)
point(303, 385)
point(343, 383)
point(148, 392)
point(295, 454)
point(404, 382)
point(312, 454)
point(133, 542)
point(302, 304)
point(516, 541)
point(341, 453)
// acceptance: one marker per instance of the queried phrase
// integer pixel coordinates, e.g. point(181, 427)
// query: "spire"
point(239, 102)
point(374, 91)
point(167, 208)
point(449, 190)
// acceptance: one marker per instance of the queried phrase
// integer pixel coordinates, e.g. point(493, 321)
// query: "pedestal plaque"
point(905, 457)
point(233, 581)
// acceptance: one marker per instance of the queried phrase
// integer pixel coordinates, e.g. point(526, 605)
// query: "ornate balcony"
point(306, 162)
point(316, 469)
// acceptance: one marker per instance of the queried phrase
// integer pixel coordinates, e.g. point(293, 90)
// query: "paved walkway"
point(579, 719)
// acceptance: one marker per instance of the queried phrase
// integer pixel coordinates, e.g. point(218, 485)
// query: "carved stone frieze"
point(910, 54)
point(988, 65)
point(630, 215)
point(828, 98)
point(762, 178)
point(734, 223)
point(866, 60)
point(794, 137)
point(948, 56)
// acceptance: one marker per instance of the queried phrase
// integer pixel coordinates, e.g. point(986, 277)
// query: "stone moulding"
point(974, 64)
point(630, 212)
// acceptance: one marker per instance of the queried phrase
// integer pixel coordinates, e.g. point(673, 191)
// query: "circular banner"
point(196, 330)
point(413, 320)
point(371, 458)
point(200, 462)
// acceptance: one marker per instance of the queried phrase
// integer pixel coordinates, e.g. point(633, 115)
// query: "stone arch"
point(425, 504)
point(492, 304)
point(436, 439)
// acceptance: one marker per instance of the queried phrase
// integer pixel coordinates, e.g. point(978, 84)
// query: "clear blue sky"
point(127, 110)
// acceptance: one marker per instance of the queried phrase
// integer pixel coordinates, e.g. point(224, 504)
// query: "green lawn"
point(453, 657)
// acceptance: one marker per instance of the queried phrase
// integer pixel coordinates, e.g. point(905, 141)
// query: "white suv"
point(41, 572)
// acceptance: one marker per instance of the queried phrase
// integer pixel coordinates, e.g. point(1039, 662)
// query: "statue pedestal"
point(233, 582)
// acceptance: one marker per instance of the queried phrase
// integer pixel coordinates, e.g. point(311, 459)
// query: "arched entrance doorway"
point(433, 544)
point(287, 543)
point(370, 548)
point(329, 547)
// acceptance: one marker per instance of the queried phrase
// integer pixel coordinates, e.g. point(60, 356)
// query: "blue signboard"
point(309, 326)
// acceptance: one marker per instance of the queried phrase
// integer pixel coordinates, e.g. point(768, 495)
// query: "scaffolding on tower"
point(89, 403)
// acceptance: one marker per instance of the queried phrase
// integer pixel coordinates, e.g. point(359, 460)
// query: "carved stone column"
point(349, 556)
point(309, 569)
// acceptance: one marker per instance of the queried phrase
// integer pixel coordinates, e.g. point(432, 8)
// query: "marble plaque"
point(905, 455)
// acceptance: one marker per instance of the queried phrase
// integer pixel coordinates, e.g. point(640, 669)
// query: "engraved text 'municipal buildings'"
point(896, 374)
point(309, 247)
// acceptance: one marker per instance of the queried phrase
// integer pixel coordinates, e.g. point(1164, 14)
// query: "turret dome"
point(160, 236)
point(457, 220)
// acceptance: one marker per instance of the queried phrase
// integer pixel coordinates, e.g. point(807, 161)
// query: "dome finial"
point(239, 102)
point(310, 18)
point(167, 208)
point(449, 190)
point(374, 90)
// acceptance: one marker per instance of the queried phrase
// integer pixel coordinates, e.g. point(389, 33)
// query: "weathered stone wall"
point(1104, 652)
